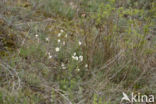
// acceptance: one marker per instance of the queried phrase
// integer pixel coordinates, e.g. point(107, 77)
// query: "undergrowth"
point(76, 52)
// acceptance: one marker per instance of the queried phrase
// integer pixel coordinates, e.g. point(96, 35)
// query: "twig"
point(109, 62)
point(36, 22)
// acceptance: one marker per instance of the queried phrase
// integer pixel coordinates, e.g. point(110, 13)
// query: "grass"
point(76, 52)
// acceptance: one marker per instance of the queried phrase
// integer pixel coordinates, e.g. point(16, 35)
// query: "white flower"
point(36, 35)
point(62, 31)
point(75, 58)
point(47, 39)
point(58, 40)
point(57, 49)
point(81, 58)
point(59, 34)
point(86, 65)
point(74, 53)
point(63, 66)
point(50, 56)
point(66, 35)
point(64, 43)
point(78, 69)
point(80, 43)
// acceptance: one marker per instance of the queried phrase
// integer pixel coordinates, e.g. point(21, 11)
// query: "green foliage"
point(33, 50)
point(58, 7)
point(85, 51)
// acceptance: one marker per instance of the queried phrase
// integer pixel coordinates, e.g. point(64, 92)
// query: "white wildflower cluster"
point(81, 58)
point(58, 40)
point(64, 43)
point(78, 69)
point(80, 43)
point(86, 66)
point(63, 66)
point(57, 49)
point(47, 39)
point(49, 55)
point(62, 31)
point(36, 35)
point(60, 34)
point(77, 58)
point(66, 36)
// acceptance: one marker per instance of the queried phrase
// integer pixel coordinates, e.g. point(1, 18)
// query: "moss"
point(8, 39)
